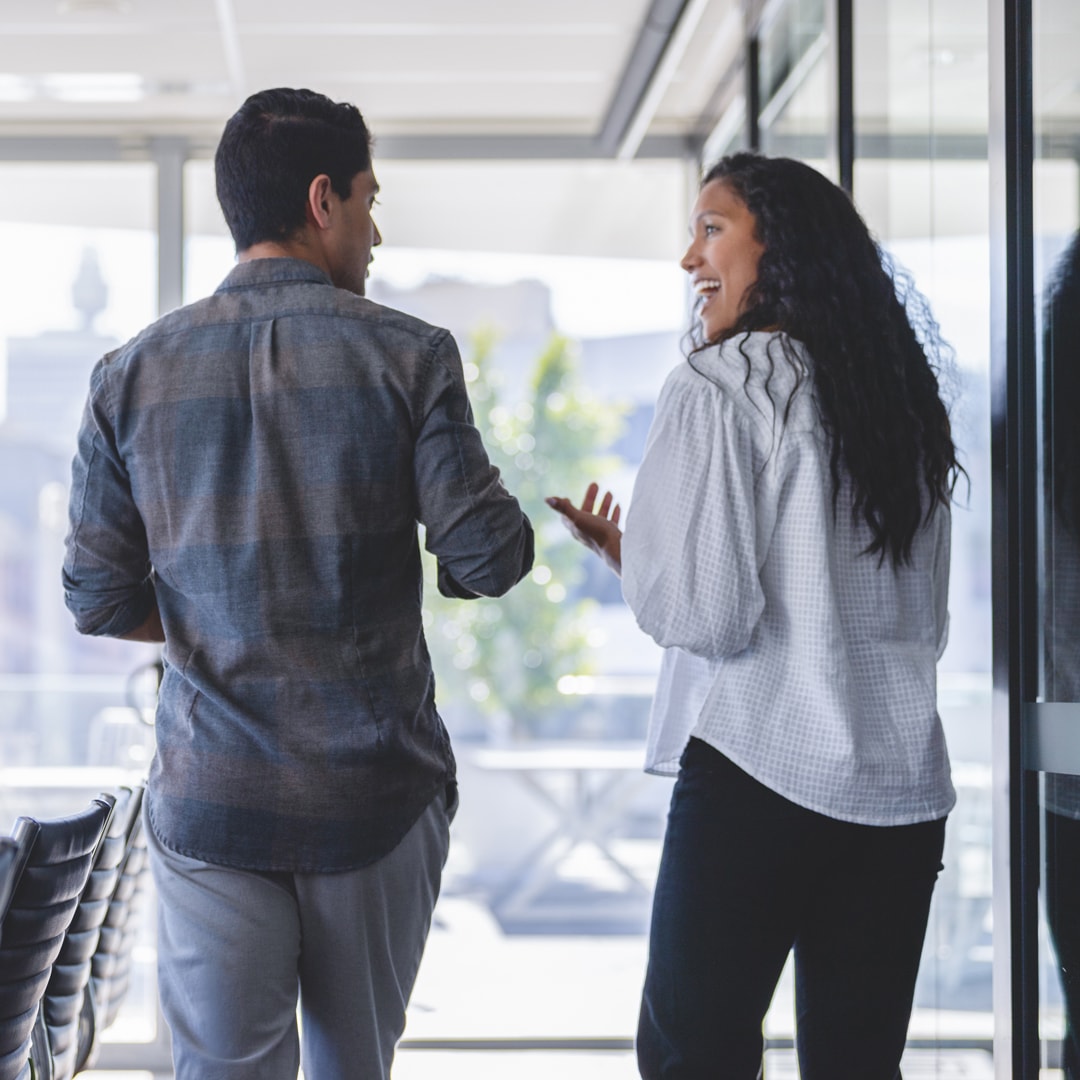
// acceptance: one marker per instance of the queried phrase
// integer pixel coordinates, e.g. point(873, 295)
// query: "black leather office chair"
point(51, 871)
point(68, 1005)
point(111, 973)
point(115, 881)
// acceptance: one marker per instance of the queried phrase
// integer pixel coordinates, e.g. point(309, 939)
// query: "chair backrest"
point(111, 968)
point(68, 1004)
point(9, 852)
point(53, 867)
point(109, 892)
point(12, 858)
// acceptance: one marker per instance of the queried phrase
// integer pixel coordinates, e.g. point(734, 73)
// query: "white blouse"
point(811, 666)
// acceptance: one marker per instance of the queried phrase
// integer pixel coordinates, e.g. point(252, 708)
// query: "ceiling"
point(482, 107)
point(581, 77)
point(478, 108)
point(490, 79)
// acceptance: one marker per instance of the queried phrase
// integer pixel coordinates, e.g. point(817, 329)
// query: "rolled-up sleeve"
point(690, 550)
point(107, 575)
point(474, 527)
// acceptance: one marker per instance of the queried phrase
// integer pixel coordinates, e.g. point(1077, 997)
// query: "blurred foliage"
point(503, 658)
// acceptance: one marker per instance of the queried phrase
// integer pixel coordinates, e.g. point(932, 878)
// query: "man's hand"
point(599, 529)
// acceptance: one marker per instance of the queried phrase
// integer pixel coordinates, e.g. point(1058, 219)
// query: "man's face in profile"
point(354, 234)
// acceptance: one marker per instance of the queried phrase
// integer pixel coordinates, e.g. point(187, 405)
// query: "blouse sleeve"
point(943, 518)
point(695, 535)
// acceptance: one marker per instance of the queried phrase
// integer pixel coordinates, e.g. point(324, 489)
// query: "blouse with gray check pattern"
point(810, 665)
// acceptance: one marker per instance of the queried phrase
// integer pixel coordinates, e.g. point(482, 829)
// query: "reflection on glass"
point(793, 71)
point(77, 274)
point(1056, 249)
point(922, 182)
point(1062, 890)
point(1061, 406)
point(1061, 627)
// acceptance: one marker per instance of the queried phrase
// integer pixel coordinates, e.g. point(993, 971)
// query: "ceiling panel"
point(179, 55)
point(459, 13)
point(712, 53)
point(488, 57)
point(908, 68)
point(414, 67)
point(109, 15)
point(471, 106)
point(434, 67)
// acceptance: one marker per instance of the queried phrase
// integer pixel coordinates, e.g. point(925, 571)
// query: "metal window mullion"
point(169, 156)
point(844, 51)
point(753, 92)
point(1015, 556)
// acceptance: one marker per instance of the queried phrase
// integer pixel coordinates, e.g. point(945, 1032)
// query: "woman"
point(788, 545)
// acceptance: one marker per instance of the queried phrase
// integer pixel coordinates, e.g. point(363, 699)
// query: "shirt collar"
point(272, 272)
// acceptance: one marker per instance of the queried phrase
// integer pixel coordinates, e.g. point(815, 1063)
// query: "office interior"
point(537, 165)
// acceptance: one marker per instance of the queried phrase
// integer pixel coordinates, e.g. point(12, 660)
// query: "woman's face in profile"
point(722, 259)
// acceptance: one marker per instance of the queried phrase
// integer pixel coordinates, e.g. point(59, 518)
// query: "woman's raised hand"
point(597, 529)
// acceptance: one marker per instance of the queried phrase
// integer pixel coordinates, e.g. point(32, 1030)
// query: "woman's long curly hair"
point(875, 348)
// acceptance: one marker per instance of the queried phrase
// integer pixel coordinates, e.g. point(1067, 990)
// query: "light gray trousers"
point(235, 947)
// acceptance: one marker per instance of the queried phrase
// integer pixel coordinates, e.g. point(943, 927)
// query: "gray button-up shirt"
point(258, 463)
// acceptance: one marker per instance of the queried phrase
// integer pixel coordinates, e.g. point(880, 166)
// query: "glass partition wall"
point(794, 66)
point(921, 180)
point(539, 939)
point(78, 275)
point(1056, 281)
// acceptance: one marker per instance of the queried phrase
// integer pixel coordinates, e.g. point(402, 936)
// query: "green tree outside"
point(504, 658)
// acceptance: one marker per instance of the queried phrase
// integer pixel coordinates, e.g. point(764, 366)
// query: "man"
point(250, 474)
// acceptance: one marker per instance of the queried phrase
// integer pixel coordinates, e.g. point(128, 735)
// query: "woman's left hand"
point(597, 529)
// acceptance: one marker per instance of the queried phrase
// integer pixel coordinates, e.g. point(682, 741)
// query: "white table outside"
point(590, 787)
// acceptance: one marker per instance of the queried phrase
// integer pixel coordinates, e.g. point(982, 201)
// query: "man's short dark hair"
point(273, 147)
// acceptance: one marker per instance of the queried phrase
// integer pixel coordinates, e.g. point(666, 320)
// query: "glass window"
point(78, 277)
point(1056, 206)
point(921, 181)
point(560, 282)
point(793, 71)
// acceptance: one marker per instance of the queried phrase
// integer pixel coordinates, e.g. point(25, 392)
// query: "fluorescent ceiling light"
point(16, 88)
point(93, 86)
point(93, 7)
point(85, 87)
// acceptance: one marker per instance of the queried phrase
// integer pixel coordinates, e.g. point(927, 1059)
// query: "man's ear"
point(320, 201)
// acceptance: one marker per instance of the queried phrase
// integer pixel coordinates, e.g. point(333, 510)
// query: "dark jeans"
point(746, 876)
